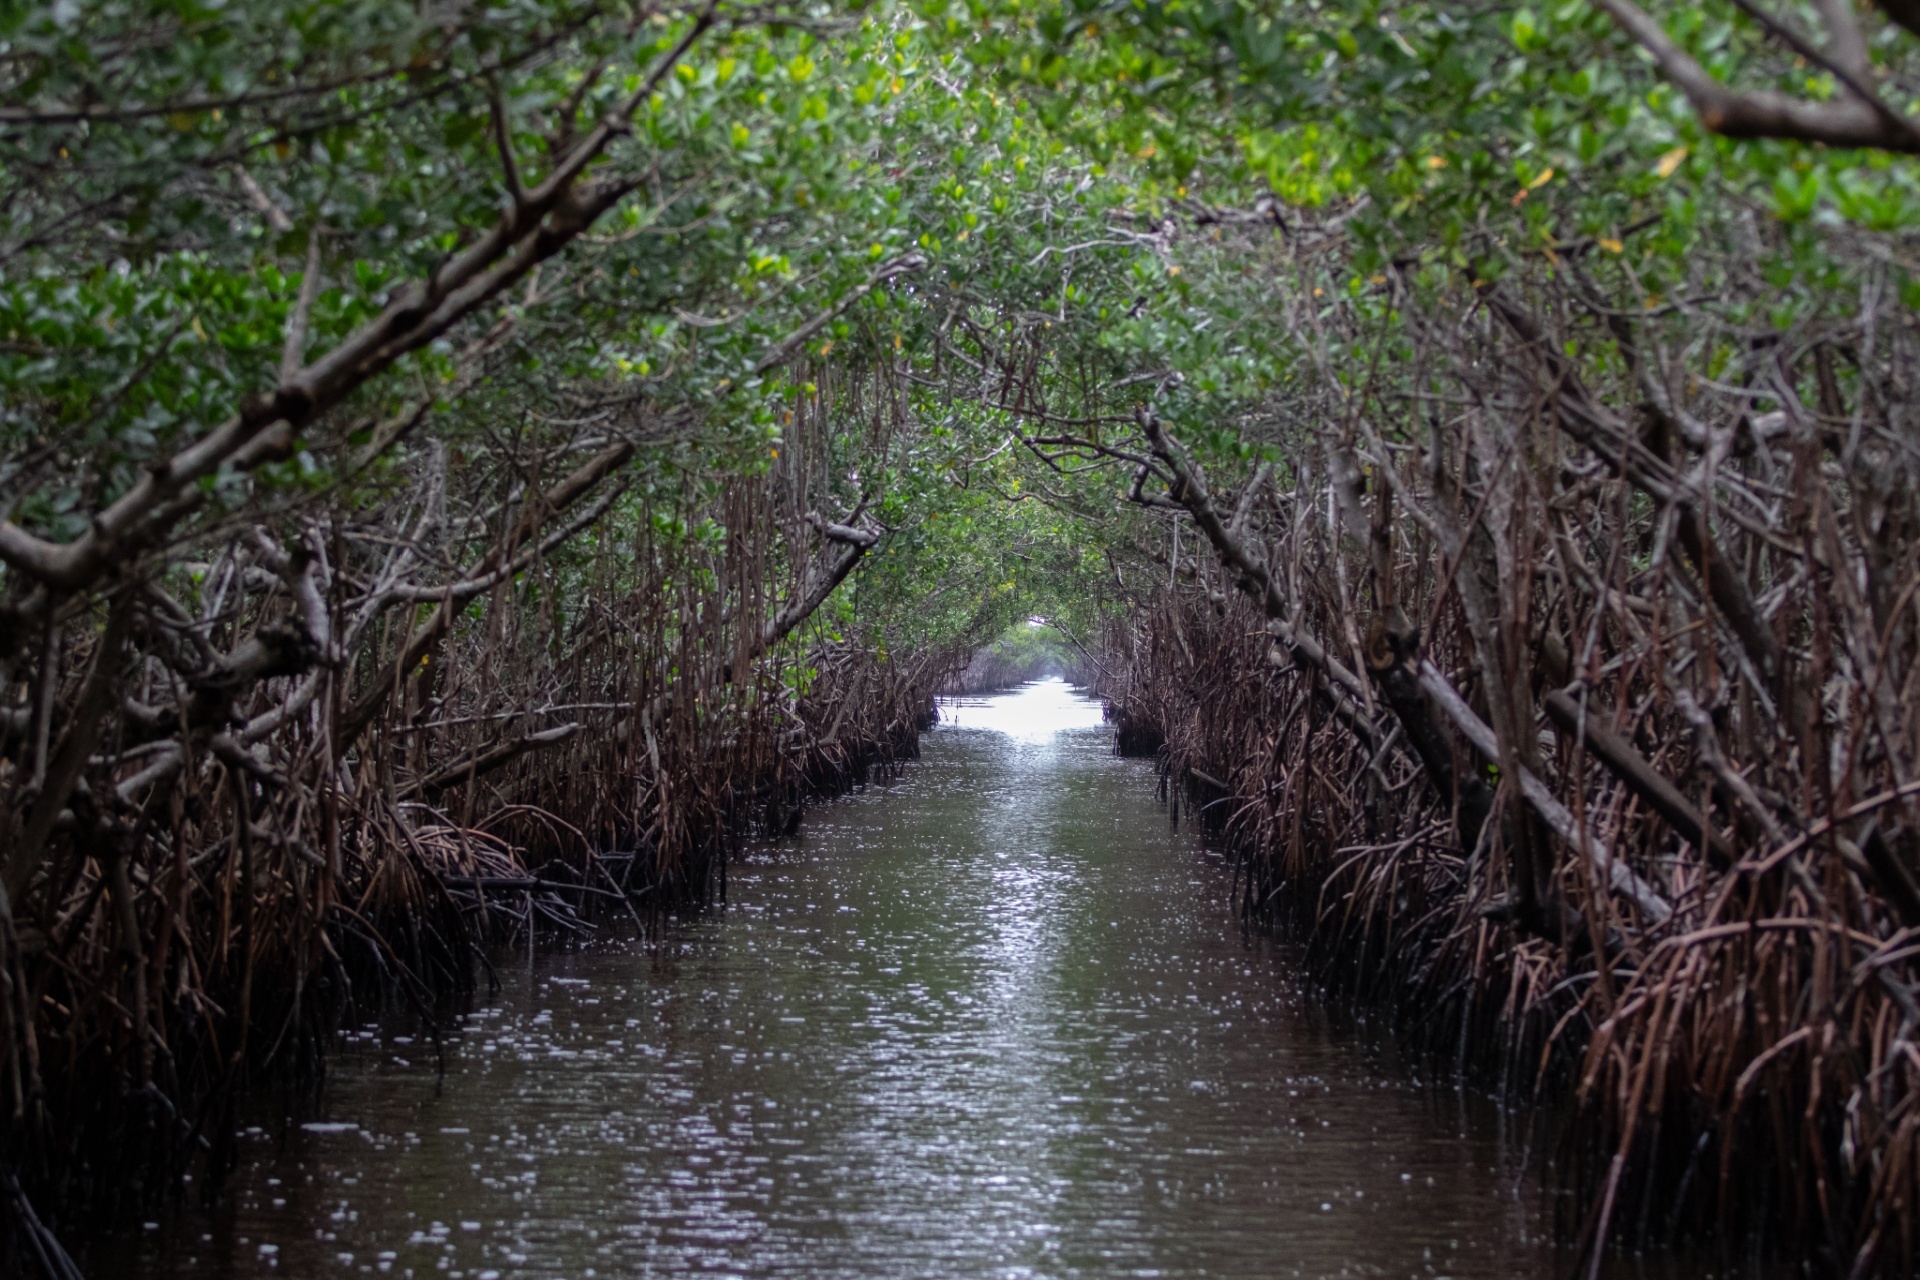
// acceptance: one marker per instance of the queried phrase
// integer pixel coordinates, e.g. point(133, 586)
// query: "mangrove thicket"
point(468, 467)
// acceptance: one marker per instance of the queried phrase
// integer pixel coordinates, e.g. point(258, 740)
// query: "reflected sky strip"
point(1031, 715)
point(979, 1105)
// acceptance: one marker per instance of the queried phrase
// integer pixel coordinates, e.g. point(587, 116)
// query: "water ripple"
point(996, 1020)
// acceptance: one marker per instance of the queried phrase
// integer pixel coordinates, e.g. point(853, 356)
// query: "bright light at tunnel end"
point(1033, 713)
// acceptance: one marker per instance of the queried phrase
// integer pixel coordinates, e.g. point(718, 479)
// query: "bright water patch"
point(1032, 714)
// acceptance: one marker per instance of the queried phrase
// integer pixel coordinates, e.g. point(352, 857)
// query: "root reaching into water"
point(297, 785)
point(1635, 844)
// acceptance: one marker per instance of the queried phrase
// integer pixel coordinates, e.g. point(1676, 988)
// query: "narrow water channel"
point(994, 1020)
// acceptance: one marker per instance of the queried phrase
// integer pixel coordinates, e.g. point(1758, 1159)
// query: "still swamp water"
point(994, 1020)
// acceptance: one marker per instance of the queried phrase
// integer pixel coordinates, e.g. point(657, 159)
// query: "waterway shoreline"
point(937, 985)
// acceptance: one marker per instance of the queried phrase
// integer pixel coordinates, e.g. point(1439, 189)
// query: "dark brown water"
point(995, 1020)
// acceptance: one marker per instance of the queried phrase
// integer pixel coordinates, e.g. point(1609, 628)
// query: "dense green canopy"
point(203, 200)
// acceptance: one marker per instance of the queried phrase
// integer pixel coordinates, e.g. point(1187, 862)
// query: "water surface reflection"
point(1033, 715)
point(997, 1020)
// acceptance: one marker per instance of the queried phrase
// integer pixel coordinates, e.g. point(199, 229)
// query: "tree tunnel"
point(460, 464)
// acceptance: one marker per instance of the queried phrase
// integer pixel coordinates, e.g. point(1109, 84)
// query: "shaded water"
point(995, 1020)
